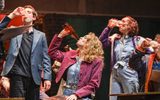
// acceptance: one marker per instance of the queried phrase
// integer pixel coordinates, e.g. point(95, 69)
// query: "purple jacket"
point(90, 73)
point(104, 37)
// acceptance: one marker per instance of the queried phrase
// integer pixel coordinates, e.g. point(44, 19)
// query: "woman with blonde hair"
point(81, 68)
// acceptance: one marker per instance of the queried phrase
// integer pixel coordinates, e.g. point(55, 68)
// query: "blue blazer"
point(39, 56)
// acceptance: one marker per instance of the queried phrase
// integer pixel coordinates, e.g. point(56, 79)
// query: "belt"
point(70, 86)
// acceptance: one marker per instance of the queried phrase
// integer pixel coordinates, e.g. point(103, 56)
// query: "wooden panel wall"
point(144, 8)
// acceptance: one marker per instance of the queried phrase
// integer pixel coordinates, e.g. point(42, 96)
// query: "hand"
point(145, 43)
point(72, 97)
point(114, 36)
point(5, 83)
point(19, 11)
point(64, 33)
point(154, 44)
point(55, 66)
point(113, 23)
point(47, 85)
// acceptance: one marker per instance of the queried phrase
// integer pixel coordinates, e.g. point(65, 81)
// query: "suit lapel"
point(19, 40)
point(36, 37)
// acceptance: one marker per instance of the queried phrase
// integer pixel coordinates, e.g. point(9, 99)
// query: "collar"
point(126, 36)
point(30, 33)
point(75, 57)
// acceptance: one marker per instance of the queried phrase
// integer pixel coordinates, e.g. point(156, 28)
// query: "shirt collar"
point(29, 33)
point(126, 37)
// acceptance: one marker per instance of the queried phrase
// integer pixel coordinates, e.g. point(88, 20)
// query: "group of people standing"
point(29, 56)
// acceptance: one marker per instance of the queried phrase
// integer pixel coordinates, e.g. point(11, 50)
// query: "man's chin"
point(28, 20)
point(27, 23)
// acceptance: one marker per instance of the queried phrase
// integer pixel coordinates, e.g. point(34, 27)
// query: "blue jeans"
point(69, 92)
point(123, 80)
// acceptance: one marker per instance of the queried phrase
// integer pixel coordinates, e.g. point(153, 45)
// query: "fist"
point(113, 23)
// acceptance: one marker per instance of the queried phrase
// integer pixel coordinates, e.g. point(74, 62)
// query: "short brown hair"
point(157, 36)
point(134, 26)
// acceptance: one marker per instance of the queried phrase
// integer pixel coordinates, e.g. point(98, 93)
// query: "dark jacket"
point(39, 55)
point(143, 64)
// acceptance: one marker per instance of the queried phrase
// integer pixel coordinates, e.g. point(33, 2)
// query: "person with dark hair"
point(123, 79)
point(2, 4)
point(157, 37)
point(27, 57)
point(80, 68)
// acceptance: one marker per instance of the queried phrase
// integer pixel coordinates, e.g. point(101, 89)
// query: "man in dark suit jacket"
point(27, 57)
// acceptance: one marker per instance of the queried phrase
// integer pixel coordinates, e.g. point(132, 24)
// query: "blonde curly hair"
point(92, 49)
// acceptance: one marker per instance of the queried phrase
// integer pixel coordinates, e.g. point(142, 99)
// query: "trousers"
point(123, 80)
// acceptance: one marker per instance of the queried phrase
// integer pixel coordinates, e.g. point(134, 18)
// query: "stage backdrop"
point(84, 24)
point(145, 8)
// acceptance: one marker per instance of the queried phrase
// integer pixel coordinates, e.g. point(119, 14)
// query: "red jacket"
point(89, 75)
point(149, 71)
